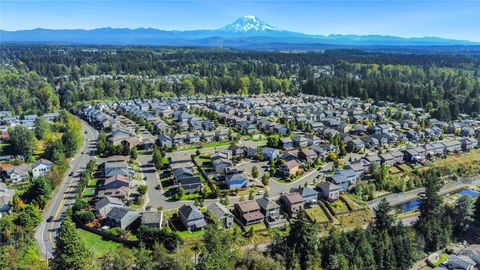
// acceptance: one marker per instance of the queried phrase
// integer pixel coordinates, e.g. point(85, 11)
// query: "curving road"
point(64, 194)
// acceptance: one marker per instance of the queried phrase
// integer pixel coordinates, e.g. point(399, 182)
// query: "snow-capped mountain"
point(245, 32)
point(248, 23)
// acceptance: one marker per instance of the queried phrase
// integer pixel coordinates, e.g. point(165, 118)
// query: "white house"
point(16, 174)
point(41, 167)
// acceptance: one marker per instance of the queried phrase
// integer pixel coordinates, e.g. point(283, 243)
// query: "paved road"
point(399, 198)
point(64, 195)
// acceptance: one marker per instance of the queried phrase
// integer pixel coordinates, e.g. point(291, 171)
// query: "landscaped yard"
point(355, 219)
point(96, 243)
point(187, 234)
point(92, 183)
point(256, 227)
point(88, 192)
point(405, 168)
point(317, 214)
point(206, 145)
point(338, 207)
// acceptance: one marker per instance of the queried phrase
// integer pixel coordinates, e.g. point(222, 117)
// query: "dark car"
point(70, 174)
point(49, 219)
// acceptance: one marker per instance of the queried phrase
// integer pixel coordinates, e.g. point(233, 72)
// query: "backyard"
point(96, 243)
point(317, 214)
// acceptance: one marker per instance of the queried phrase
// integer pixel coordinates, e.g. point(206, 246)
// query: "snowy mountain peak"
point(249, 23)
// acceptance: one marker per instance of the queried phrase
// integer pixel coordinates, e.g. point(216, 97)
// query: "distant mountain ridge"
point(246, 32)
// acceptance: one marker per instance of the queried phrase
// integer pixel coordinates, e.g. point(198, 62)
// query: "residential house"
point(288, 168)
point(269, 153)
point(473, 252)
point(248, 212)
point(185, 178)
point(235, 179)
point(122, 217)
point(286, 143)
point(104, 205)
point(434, 149)
point(16, 174)
point(191, 217)
point(343, 178)
point(308, 155)
point(121, 193)
point(468, 143)
point(116, 181)
point(292, 202)
point(219, 165)
point(461, 262)
point(452, 146)
point(222, 215)
point(41, 167)
point(268, 207)
point(329, 190)
point(309, 195)
point(300, 141)
point(6, 198)
point(151, 219)
point(387, 159)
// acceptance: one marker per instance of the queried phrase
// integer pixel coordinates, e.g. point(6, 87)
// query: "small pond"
point(413, 204)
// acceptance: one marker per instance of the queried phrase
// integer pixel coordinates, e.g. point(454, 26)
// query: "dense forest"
point(40, 78)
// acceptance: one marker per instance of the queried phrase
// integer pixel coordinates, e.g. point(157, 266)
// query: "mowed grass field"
point(97, 244)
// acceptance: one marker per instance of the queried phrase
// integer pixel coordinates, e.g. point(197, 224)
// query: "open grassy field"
point(97, 244)
point(317, 214)
point(459, 158)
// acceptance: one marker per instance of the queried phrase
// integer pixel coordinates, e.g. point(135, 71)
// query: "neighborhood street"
point(64, 195)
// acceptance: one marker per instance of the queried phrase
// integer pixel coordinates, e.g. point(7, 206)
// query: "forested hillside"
point(446, 83)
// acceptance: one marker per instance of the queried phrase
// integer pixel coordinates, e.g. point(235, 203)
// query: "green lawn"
point(206, 145)
point(256, 227)
point(317, 214)
point(96, 243)
point(92, 183)
point(88, 192)
point(338, 206)
point(187, 234)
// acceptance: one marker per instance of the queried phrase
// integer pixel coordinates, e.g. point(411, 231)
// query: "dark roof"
point(118, 213)
point(108, 200)
point(190, 212)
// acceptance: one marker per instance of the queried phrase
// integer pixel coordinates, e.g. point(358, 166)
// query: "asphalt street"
point(64, 195)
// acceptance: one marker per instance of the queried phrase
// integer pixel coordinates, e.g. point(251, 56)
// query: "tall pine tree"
point(70, 251)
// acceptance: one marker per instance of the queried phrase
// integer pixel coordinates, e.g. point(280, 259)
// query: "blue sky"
point(406, 18)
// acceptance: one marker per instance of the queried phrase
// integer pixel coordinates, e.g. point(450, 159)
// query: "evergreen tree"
point(70, 251)
point(462, 214)
point(383, 217)
point(433, 222)
point(219, 251)
point(477, 211)
point(254, 172)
